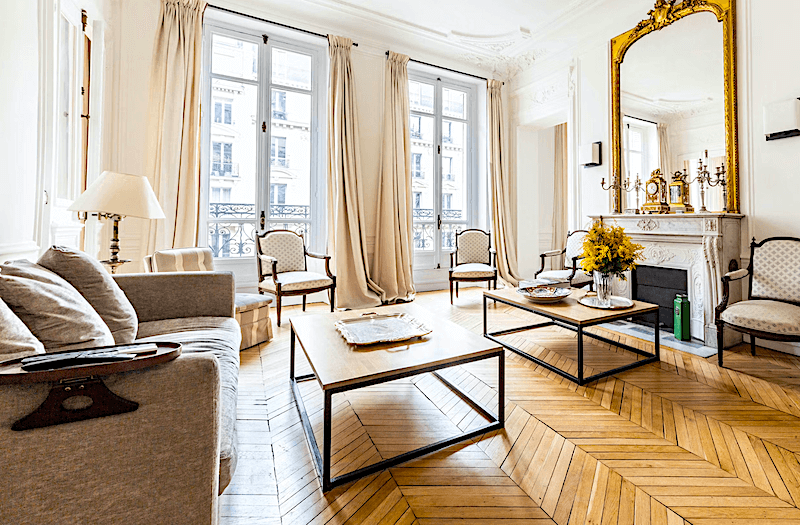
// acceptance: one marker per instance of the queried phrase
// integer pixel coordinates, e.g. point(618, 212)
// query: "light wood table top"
point(570, 310)
point(337, 363)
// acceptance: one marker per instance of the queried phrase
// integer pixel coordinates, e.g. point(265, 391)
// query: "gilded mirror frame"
point(665, 13)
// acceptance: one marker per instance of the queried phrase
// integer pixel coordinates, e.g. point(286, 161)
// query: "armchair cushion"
point(296, 281)
point(287, 248)
point(472, 247)
point(473, 270)
point(563, 275)
point(765, 316)
point(183, 260)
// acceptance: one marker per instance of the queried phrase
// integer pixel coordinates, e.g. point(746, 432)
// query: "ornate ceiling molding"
point(505, 67)
point(668, 110)
point(493, 43)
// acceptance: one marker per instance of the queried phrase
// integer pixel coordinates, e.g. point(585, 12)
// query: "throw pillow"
point(97, 286)
point(51, 308)
point(15, 338)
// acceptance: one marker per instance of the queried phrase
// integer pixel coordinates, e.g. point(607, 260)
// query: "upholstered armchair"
point(252, 310)
point(282, 268)
point(772, 308)
point(570, 270)
point(473, 259)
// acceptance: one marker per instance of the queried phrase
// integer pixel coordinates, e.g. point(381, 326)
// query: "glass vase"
point(602, 285)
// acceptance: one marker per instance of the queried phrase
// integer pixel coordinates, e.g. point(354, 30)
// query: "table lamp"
point(114, 196)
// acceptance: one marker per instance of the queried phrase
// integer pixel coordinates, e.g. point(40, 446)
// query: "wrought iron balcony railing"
point(279, 162)
point(226, 210)
point(426, 214)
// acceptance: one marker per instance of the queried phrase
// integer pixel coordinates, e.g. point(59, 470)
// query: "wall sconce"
point(590, 155)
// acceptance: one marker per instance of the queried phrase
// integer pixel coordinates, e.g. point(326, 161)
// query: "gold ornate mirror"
point(673, 97)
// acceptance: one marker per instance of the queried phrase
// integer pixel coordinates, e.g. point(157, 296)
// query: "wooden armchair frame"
point(492, 263)
point(555, 253)
point(263, 259)
point(736, 275)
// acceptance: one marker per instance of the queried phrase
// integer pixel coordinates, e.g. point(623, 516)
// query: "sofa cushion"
point(97, 286)
point(765, 316)
point(219, 336)
point(15, 338)
point(51, 308)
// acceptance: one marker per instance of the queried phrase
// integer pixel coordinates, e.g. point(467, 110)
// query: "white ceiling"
point(676, 70)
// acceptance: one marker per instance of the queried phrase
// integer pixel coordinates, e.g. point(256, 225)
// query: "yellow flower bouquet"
point(607, 250)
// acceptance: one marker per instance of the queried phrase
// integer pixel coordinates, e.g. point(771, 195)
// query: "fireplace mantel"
point(705, 245)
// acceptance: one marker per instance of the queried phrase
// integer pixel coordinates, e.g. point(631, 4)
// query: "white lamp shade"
point(120, 194)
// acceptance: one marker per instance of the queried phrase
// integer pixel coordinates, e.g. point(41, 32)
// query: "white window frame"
point(430, 267)
point(252, 30)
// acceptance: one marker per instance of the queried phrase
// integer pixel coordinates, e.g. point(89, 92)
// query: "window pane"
point(422, 183)
point(420, 96)
point(234, 58)
point(454, 174)
point(634, 140)
point(635, 169)
point(65, 114)
point(291, 69)
point(232, 171)
point(290, 157)
point(454, 103)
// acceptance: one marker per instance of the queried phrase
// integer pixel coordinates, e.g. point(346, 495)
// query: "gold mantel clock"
point(679, 193)
point(655, 190)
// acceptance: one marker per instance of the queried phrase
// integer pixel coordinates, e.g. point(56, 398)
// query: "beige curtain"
point(394, 253)
point(664, 151)
point(346, 231)
point(173, 127)
point(503, 234)
point(560, 190)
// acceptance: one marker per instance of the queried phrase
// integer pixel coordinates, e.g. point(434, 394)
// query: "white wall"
point(19, 60)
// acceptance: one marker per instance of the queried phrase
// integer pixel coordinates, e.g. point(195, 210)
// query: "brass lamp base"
point(114, 261)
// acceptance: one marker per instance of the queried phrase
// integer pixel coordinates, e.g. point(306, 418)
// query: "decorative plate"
point(617, 303)
point(544, 294)
point(371, 329)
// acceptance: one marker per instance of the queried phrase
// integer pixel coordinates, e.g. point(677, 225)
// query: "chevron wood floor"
point(682, 441)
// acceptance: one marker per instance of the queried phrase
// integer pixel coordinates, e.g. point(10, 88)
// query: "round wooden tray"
point(11, 372)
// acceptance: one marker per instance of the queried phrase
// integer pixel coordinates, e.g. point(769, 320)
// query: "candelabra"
point(614, 194)
point(721, 179)
point(627, 187)
point(704, 178)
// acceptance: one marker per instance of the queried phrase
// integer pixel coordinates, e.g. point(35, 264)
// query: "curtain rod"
point(272, 22)
point(643, 120)
point(445, 68)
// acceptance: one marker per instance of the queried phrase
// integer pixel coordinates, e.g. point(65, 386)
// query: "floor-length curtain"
point(346, 231)
point(394, 253)
point(173, 128)
point(664, 152)
point(503, 233)
point(560, 188)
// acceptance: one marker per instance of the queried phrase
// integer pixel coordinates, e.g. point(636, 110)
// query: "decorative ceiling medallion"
point(493, 43)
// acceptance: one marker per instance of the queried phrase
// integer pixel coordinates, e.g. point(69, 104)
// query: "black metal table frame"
point(580, 380)
point(322, 461)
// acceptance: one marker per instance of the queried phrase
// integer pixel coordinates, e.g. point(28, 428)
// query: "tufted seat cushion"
point(766, 316)
point(473, 270)
point(296, 281)
point(563, 275)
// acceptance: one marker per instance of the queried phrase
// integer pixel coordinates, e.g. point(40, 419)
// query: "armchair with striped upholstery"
point(252, 310)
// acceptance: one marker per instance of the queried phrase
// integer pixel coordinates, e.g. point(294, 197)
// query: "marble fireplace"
point(704, 245)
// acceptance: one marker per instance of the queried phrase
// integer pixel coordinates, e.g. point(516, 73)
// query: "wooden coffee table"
point(339, 367)
point(574, 316)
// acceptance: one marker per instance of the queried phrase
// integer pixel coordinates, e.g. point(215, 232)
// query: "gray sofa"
point(167, 461)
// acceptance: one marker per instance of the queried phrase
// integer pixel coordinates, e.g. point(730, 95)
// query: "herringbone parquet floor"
point(682, 441)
